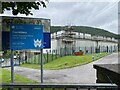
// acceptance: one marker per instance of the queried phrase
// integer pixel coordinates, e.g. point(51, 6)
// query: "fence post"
point(19, 88)
point(25, 57)
point(100, 55)
point(56, 54)
point(79, 48)
point(18, 57)
point(99, 49)
point(77, 89)
point(52, 55)
point(65, 88)
point(47, 56)
point(107, 49)
point(85, 50)
point(61, 53)
point(91, 49)
point(65, 50)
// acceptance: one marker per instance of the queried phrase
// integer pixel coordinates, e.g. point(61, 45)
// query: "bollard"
point(100, 55)
point(92, 57)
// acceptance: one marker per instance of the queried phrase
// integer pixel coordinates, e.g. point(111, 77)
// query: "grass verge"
point(5, 77)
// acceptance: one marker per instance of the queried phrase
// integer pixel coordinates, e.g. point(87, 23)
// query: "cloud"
point(88, 13)
point(97, 14)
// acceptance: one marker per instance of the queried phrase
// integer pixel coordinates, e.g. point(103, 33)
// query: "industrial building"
point(74, 41)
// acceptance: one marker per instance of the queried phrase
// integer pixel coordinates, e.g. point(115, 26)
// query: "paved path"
point(80, 74)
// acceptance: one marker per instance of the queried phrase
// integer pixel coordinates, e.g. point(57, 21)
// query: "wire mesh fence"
point(33, 57)
point(50, 55)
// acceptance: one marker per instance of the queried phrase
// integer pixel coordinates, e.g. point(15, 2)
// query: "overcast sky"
point(95, 14)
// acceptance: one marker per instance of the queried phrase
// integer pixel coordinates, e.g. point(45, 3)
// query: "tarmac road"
point(81, 74)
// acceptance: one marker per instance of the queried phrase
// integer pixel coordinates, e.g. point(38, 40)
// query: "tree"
point(22, 7)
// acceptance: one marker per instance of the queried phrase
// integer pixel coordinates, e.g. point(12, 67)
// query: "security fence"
point(33, 57)
point(50, 55)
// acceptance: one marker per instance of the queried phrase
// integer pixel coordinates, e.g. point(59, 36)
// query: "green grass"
point(5, 77)
point(66, 61)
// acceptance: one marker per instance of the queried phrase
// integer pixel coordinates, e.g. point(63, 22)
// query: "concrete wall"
point(80, 44)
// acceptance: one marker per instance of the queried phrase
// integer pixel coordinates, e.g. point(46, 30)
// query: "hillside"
point(85, 29)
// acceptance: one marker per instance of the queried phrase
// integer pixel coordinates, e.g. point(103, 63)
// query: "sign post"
point(12, 67)
point(41, 64)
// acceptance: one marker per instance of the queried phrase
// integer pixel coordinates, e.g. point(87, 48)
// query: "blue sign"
point(5, 40)
point(26, 36)
point(47, 40)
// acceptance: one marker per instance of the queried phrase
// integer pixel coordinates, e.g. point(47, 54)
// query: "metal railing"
point(60, 86)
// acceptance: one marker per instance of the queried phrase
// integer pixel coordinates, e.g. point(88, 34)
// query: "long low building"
point(73, 41)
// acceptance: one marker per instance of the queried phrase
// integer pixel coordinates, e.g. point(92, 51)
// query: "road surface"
point(81, 74)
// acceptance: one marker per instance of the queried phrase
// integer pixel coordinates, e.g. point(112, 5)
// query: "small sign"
point(46, 33)
point(26, 36)
point(47, 40)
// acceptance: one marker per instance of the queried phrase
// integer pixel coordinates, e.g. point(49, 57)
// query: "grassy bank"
point(67, 61)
